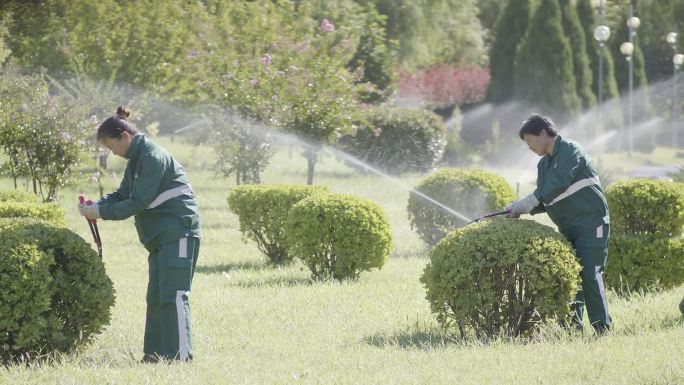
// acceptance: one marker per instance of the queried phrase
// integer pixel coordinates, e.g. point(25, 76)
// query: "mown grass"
point(256, 324)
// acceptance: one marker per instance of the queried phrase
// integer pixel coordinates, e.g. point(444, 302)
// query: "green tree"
point(141, 42)
point(508, 34)
point(319, 105)
point(41, 134)
point(543, 67)
point(376, 56)
point(575, 33)
point(432, 32)
point(586, 17)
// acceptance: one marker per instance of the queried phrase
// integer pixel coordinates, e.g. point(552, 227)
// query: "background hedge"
point(470, 193)
point(646, 207)
point(397, 140)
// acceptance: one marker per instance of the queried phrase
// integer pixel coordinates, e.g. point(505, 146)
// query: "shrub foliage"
point(397, 140)
point(501, 277)
point(646, 248)
point(338, 236)
point(470, 193)
point(57, 293)
point(50, 212)
point(646, 207)
point(262, 211)
point(638, 262)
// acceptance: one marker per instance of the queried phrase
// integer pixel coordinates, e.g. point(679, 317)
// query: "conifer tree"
point(508, 34)
point(575, 33)
point(543, 67)
point(586, 17)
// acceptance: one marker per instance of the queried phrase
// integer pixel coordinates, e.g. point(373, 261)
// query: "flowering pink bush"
point(446, 85)
point(327, 26)
point(266, 59)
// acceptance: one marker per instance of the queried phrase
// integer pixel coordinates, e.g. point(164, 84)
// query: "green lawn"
point(254, 324)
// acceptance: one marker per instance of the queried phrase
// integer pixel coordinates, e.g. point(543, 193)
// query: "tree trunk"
point(311, 163)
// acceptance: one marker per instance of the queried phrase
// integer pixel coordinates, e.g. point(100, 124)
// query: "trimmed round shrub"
point(56, 293)
point(470, 193)
point(24, 271)
point(501, 277)
point(18, 196)
point(338, 236)
point(262, 211)
point(50, 212)
point(637, 262)
point(646, 207)
point(397, 140)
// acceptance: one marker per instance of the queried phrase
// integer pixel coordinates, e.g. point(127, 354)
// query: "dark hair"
point(113, 126)
point(537, 123)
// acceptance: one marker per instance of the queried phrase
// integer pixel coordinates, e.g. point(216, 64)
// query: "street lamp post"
point(601, 34)
point(677, 60)
point(627, 49)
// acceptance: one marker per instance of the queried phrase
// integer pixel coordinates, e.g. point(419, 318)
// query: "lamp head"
point(602, 33)
point(627, 48)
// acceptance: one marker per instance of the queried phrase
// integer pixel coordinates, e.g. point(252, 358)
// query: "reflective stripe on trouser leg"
point(183, 317)
point(175, 279)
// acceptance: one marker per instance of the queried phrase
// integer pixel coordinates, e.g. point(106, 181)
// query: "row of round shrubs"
point(334, 235)
point(646, 250)
point(56, 293)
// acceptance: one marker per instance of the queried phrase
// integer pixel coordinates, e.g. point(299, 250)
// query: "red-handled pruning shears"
point(92, 223)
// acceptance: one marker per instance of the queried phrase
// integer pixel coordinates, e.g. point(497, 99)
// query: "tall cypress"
point(508, 34)
point(586, 16)
point(543, 67)
point(575, 33)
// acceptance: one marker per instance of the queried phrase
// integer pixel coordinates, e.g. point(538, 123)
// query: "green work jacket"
point(156, 191)
point(569, 190)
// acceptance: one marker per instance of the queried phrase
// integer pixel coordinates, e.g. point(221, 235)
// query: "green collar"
point(132, 152)
point(555, 146)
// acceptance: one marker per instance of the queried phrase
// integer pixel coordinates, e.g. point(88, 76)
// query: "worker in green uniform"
point(155, 189)
point(569, 191)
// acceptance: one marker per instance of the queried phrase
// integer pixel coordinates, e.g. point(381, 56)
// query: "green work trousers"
point(593, 292)
point(167, 325)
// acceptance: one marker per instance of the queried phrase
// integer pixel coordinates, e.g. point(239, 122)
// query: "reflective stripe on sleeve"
point(168, 194)
point(580, 184)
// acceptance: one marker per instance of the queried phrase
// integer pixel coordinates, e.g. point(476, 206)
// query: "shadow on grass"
point(415, 339)
point(420, 253)
point(275, 282)
point(228, 267)
point(268, 275)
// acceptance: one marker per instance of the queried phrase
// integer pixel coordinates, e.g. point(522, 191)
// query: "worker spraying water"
point(569, 191)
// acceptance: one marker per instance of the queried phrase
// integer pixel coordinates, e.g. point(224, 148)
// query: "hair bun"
point(123, 112)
